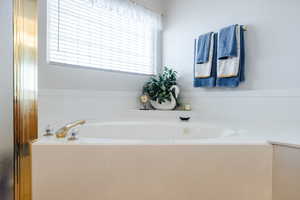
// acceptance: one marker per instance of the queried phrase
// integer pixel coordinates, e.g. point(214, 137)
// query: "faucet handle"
point(63, 131)
point(74, 135)
point(48, 131)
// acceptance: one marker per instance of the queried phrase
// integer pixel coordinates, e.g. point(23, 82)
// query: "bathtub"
point(160, 160)
point(154, 131)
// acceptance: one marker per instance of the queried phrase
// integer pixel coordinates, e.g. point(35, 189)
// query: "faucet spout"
point(63, 131)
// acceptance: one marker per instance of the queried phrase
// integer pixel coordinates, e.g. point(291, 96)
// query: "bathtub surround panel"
point(257, 106)
point(109, 172)
point(58, 107)
point(286, 173)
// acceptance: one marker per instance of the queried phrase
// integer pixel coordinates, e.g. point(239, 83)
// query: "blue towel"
point(210, 81)
point(227, 42)
point(203, 48)
point(233, 82)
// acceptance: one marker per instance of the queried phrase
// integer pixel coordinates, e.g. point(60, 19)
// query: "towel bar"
point(244, 27)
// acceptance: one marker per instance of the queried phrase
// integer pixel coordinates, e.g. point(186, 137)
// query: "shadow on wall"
point(6, 184)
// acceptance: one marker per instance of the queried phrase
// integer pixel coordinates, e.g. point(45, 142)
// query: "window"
point(94, 35)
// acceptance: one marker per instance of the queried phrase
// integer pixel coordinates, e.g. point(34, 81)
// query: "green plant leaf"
point(158, 88)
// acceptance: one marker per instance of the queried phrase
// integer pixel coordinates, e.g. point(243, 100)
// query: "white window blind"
point(82, 34)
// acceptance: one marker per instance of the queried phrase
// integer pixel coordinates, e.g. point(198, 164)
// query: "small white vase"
point(167, 105)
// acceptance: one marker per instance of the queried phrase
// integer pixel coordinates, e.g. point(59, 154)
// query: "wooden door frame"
point(25, 93)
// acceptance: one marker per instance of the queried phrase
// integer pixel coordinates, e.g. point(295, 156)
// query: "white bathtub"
point(135, 130)
point(151, 164)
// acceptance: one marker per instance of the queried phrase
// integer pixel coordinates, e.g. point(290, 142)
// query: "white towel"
point(230, 67)
point(204, 70)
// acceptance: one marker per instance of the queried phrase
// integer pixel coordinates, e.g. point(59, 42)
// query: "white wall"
point(272, 38)
point(62, 77)
point(6, 100)
point(271, 91)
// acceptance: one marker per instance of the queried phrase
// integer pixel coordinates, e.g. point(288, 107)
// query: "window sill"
point(96, 69)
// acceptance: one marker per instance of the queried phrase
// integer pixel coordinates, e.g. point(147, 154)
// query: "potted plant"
point(163, 90)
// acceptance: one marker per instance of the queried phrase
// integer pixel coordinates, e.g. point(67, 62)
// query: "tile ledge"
point(285, 143)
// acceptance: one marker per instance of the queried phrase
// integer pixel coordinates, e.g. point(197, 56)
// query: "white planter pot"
point(167, 105)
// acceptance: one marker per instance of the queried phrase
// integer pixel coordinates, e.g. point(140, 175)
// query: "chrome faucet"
point(63, 131)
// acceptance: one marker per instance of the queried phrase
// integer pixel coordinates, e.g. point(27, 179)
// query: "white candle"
point(187, 107)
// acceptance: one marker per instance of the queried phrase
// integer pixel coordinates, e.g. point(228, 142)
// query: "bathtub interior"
point(152, 130)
